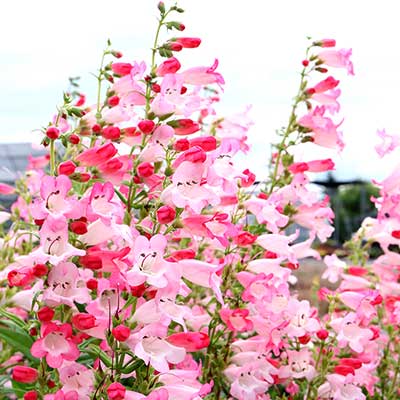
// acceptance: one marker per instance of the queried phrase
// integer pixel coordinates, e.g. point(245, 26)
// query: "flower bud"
point(91, 262)
point(40, 270)
point(161, 7)
point(146, 126)
point(181, 145)
point(111, 133)
point(116, 391)
point(96, 128)
point(121, 69)
point(305, 338)
point(113, 101)
point(116, 53)
point(188, 42)
point(156, 88)
point(344, 370)
point(83, 321)
point(66, 168)
point(52, 132)
point(78, 227)
point(327, 43)
point(174, 46)
point(138, 291)
point(169, 66)
point(165, 214)
point(207, 143)
point(184, 254)
point(121, 333)
point(31, 395)
point(322, 334)
point(92, 284)
point(74, 139)
point(45, 314)
point(245, 238)
point(145, 169)
point(24, 374)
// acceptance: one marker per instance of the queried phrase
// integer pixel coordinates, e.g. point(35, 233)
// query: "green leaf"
point(95, 352)
point(18, 339)
point(18, 321)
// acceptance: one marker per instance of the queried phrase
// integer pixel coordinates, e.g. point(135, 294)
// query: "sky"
point(259, 44)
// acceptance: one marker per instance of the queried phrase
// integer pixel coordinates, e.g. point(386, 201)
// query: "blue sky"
point(259, 43)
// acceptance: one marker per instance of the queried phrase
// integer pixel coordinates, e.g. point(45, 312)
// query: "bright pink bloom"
point(56, 345)
point(324, 131)
point(96, 155)
point(327, 84)
point(321, 165)
point(190, 341)
point(116, 391)
point(6, 189)
point(24, 374)
point(236, 320)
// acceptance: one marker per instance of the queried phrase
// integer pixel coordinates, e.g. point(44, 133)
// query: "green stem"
point(99, 82)
point(52, 158)
point(291, 127)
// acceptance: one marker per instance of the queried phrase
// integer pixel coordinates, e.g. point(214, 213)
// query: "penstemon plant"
point(140, 262)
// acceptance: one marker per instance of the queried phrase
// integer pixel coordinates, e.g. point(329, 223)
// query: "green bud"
point(161, 7)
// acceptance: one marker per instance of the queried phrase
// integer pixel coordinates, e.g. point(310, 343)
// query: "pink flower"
point(324, 131)
point(388, 143)
point(236, 320)
point(299, 364)
point(338, 59)
point(56, 345)
point(203, 75)
point(54, 240)
point(96, 155)
point(149, 265)
point(116, 391)
point(327, 84)
point(350, 333)
point(6, 189)
point(77, 378)
point(156, 351)
point(190, 341)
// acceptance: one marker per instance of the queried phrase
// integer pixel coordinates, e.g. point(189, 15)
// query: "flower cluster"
point(141, 262)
